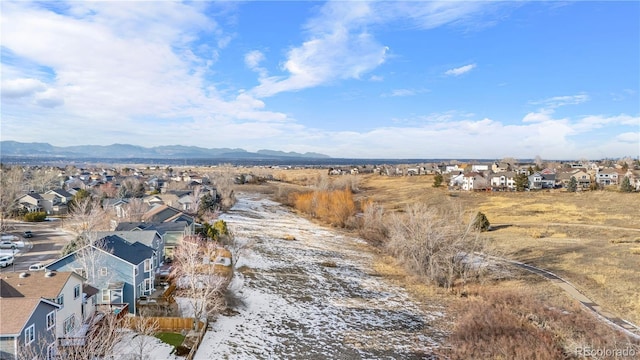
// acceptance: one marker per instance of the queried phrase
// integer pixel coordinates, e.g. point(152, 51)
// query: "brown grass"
point(588, 238)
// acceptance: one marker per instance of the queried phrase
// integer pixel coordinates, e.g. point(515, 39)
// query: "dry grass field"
point(592, 239)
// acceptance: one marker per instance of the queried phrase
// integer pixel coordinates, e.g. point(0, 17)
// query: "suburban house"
point(500, 167)
point(535, 181)
point(504, 180)
point(117, 205)
point(64, 288)
point(56, 201)
point(30, 202)
point(172, 233)
point(455, 178)
point(122, 270)
point(607, 176)
point(148, 237)
point(27, 326)
point(165, 213)
point(583, 179)
point(474, 181)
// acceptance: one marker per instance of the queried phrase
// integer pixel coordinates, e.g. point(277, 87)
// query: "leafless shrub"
point(437, 243)
point(510, 324)
point(372, 226)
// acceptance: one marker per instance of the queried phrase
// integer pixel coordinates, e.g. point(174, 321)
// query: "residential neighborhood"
point(131, 227)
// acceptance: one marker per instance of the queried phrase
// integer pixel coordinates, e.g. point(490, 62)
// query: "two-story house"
point(151, 238)
point(535, 181)
point(65, 288)
point(121, 270)
point(172, 233)
point(474, 181)
point(27, 327)
point(73, 305)
point(31, 202)
point(504, 180)
point(607, 176)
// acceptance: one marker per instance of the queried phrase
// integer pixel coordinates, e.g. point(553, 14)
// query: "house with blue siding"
point(27, 327)
point(122, 270)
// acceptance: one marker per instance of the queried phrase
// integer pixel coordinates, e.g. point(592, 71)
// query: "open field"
point(591, 239)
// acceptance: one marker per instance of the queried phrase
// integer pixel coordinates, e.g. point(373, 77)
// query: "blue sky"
point(359, 79)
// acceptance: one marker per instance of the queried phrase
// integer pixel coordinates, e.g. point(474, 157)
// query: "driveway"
point(45, 245)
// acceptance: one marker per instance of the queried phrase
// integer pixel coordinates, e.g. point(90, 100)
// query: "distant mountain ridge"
point(15, 148)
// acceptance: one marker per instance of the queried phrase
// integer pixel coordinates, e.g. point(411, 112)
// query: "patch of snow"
point(297, 306)
point(132, 345)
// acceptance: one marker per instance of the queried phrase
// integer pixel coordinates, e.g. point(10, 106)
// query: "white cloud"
point(401, 93)
point(540, 116)
point(117, 63)
point(558, 101)
point(460, 70)
point(376, 78)
point(17, 88)
point(630, 137)
point(253, 58)
point(340, 44)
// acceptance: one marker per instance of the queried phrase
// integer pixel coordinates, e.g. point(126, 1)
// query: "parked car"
point(28, 234)
point(6, 261)
point(36, 267)
point(6, 244)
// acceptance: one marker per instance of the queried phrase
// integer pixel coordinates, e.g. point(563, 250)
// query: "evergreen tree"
point(573, 184)
point(626, 185)
point(481, 222)
point(437, 180)
point(521, 182)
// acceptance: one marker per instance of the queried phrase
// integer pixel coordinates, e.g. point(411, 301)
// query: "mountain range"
point(123, 151)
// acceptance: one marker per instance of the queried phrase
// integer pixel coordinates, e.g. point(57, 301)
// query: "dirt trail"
point(619, 323)
point(315, 297)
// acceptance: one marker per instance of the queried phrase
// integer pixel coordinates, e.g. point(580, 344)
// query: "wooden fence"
point(195, 347)
point(166, 324)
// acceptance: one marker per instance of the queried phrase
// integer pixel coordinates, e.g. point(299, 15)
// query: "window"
point(76, 292)
point(147, 286)
point(135, 270)
point(106, 296)
point(60, 300)
point(51, 320)
point(147, 265)
point(103, 271)
point(69, 324)
point(29, 334)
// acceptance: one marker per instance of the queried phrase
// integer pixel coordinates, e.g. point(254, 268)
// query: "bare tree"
point(197, 280)
point(99, 341)
point(224, 180)
point(438, 243)
point(44, 179)
point(87, 215)
point(237, 246)
point(11, 180)
point(138, 343)
point(134, 210)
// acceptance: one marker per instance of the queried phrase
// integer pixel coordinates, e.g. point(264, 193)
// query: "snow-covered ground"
point(298, 305)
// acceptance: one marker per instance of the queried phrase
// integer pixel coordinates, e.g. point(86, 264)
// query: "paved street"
point(44, 247)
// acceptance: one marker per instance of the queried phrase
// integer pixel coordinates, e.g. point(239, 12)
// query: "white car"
point(6, 244)
point(36, 267)
point(6, 261)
